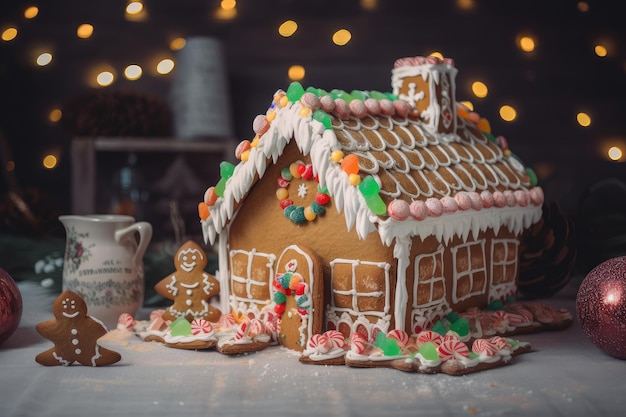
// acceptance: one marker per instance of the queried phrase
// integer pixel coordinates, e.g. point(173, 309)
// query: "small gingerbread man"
point(190, 287)
point(74, 334)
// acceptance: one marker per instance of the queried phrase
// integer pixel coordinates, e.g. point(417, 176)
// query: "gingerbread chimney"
point(427, 83)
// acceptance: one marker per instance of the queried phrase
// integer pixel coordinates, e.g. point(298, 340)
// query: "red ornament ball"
point(10, 305)
point(601, 306)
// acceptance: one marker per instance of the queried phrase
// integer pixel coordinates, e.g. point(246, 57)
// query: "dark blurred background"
point(576, 63)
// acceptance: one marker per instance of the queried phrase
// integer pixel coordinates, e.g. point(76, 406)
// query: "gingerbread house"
point(369, 211)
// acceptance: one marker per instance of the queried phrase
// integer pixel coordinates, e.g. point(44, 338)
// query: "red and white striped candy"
point(243, 329)
point(319, 343)
point(451, 348)
point(500, 343)
point(358, 344)
point(484, 347)
point(156, 313)
point(429, 336)
point(200, 326)
point(157, 324)
point(125, 322)
point(256, 328)
point(226, 321)
point(399, 336)
point(336, 338)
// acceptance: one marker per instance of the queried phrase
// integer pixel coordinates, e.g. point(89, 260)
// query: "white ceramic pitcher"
point(104, 263)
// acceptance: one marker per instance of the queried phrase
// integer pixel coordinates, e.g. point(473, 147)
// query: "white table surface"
point(564, 375)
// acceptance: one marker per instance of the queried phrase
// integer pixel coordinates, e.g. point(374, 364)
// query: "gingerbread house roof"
point(420, 180)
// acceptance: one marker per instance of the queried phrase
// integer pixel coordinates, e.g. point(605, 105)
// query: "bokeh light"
point(600, 50)
point(526, 44)
point(178, 44)
point(105, 78)
point(287, 28)
point(84, 31)
point(165, 66)
point(342, 37)
point(49, 161)
point(44, 59)
point(31, 12)
point(480, 89)
point(296, 72)
point(133, 72)
point(615, 153)
point(583, 119)
point(55, 115)
point(9, 34)
point(508, 113)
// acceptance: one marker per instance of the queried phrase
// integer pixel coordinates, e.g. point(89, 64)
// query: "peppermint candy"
point(452, 348)
point(336, 338)
point(429, 336)
point(226, 321)
point(200, 326)
point(243, 329)
point(358, 343)
point(256, 328)
point(125, 322)
point(484, 347)
point(319, 343)
point(399, 336)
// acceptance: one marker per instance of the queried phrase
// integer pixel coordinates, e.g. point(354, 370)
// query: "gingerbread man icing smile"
point(189, 287)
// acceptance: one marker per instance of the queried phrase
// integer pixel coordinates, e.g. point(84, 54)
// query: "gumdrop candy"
point(460, 327)
point(322, 117)
point(220, 187)
point(368, 186)
point(295, 91)
point(495, 305)
point(452, 317)
point(377, 95)
point(279, 297)
point(376, 204)
point(180, 327)
point(226, 169)
point(350, 165)
point(439, 328)
point(532, 176)
point(429, 351)
point(388, 345)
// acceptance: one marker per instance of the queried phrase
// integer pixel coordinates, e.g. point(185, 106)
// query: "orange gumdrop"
point(203, 210)
point(350, 164)
point(483, 125)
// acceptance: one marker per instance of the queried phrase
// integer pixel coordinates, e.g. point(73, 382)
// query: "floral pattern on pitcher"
point(108, 293)
point(76, 252)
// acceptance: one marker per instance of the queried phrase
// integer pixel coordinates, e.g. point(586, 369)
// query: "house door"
point(298, 294)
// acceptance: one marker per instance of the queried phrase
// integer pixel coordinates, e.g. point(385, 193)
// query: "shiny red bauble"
point(10, 305)
point(601, 306)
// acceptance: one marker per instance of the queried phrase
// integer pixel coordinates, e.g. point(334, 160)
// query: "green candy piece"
point(460, 327)
point(313, 90)
point(473, 355)
point(322, 190)
point(391, 96)
point(323, 118)
point(358, 94)
point(317, 208)
point(439, 328)
point(220, 187)
point(388, 345)
point(285, 279)
point(342, 94)
point(297, 215)
point(495, 305)
point(279, 297)
point(429, 351)
point(452, 317)
point(295, 91)
point(512, 342)
point(369, 186)
point(180, 327)
point(377, 95)
point(226, 169)
point(288, 210)
point(532, 176)
point(490, 136)
point(376, 204)
point(285, 173)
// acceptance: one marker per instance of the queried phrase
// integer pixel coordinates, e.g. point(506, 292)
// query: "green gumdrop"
point(322, 190)
point(495, 305)
point(220, 187)
point(489, 136)
point(376, 204)
point(512, 342)
point(317, 208)
point(391, 348)
point(297, 215)
point(342, 94)
point(473, 355)
point(295, 91)
point(452, 317)
point(379, 341)
point(180, 327)
point(391, 96)
point(532, 176)
point(323, 118)
point(439, 328)
point(460, 327)
point(288, 210)
point(285, 173)
point(369, 186)
point(358, 94)
point(279, 297)
point(377, 95)
point(429, 351)
point(313, 90)
point(226, 169)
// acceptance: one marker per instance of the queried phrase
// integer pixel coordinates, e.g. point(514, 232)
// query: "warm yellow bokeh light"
point(468, 104)
point(55, 115)
point(479, 89)
point(287, 28)
point(49, 161)
point(527, 44)
point(10, 166)
point(369, 4)
point(105, 78)
point(583, 119)
point(342, 37)
point(228, 4)
point(178, 44)
point(465, 4)
point(9, 34)
point(615, 153)
point(600, 50)
point(165, 66)
point(134, 7)
point(44, 59)
point(508, 113)
point(133, 72)
point(31, 12)
point(437, 54)
point(296, 72)
point(84, 31)
point(583, 6)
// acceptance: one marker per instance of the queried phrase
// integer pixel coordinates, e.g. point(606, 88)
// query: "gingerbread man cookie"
point(74, 334)
point(190, 287)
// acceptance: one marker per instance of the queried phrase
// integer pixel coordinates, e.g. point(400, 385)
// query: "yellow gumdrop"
point(293, 168)
point(283, 101)
point(282, 193)
point(484, 126)
point(336, 156)
point(354, 179)
point(507, 152)
point(304, 111)
point(245, 155)
point(255, 141)
point(295, 280)
point(308, 214)
point(271, 115)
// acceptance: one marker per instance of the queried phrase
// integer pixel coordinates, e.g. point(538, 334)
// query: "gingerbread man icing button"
point(75, 335)
point(190, 287)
